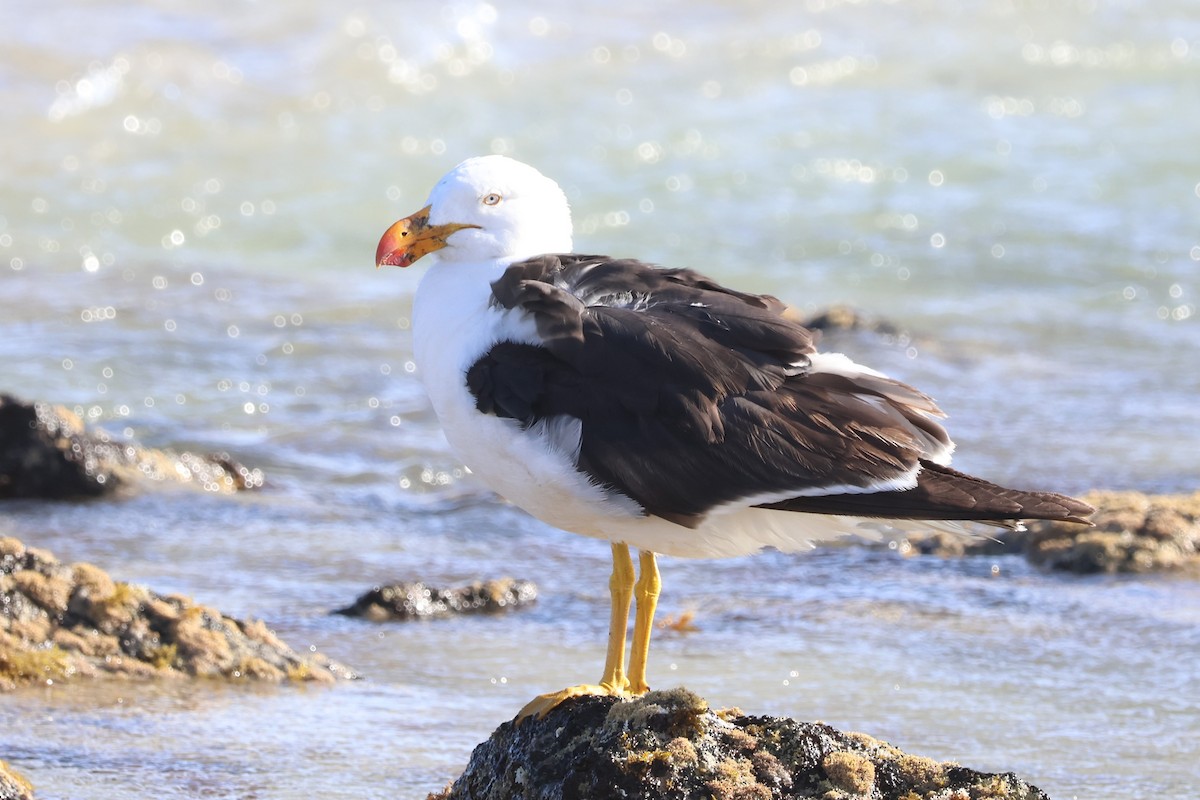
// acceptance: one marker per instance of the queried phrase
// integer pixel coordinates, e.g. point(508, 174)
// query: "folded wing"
point(691, 397)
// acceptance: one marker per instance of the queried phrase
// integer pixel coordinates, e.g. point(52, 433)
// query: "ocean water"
point(190, 199)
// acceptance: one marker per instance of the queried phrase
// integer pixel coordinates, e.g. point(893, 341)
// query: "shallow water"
point(190, 203)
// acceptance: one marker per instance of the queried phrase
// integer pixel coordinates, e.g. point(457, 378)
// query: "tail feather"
point(942, 493)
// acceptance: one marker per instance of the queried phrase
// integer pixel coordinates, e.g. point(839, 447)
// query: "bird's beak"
point(413, 237)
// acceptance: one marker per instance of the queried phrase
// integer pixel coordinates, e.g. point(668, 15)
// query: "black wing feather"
point(942, 493)
point(692, 395)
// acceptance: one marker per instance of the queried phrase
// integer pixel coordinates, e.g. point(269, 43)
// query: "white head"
point(486, 208)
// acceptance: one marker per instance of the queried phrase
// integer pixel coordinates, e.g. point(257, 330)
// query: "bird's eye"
point(492, 199)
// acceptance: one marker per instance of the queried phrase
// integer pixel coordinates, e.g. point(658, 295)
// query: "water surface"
point(190, 204)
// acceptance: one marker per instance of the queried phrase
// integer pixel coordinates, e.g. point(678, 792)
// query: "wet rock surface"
point(1133, 532)
point(60, 622)
point(415, 600)
point(48, 452)
point(13, 785)
point(671, 746)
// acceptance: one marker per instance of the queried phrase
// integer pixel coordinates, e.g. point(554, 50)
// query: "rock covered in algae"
point(415, 600)
point(1134, 532)
point(47, 451)
point(671, 746)
point(61, 621)
point(13, 785)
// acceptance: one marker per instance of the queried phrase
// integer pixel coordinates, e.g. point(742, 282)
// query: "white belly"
point(453, 326)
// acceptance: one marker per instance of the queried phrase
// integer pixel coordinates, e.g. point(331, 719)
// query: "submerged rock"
point(987, 541)
point(47, 452)
point(61, 621)
point(671, 746)
point(13, 785)
point(847, 318)
point(403, 601)
point(1133, 532)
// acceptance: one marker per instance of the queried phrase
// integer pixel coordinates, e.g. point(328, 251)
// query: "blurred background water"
point(190, 201)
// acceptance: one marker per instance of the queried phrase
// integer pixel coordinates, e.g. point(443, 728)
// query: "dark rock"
point(47, 452)
point(13, 785)
point(1133, 532)
point(404, 601)
point(62, 621)
point(671, 746)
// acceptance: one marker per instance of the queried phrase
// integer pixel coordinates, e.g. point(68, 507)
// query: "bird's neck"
point(452, 298)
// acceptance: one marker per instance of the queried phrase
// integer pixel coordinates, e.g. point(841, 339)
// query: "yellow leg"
point(647, 590)
point(621, 588)
point(614, 681)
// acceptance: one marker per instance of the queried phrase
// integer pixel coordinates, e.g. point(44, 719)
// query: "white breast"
point(453, 325)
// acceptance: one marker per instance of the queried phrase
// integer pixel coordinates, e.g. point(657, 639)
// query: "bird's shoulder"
point(570, 295)
point(605, 280)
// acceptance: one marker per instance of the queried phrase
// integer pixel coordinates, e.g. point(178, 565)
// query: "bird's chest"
point(526, 467)
point(451, 331)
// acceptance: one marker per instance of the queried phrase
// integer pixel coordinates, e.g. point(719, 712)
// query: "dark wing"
point(692, 396)
point(942, 493)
